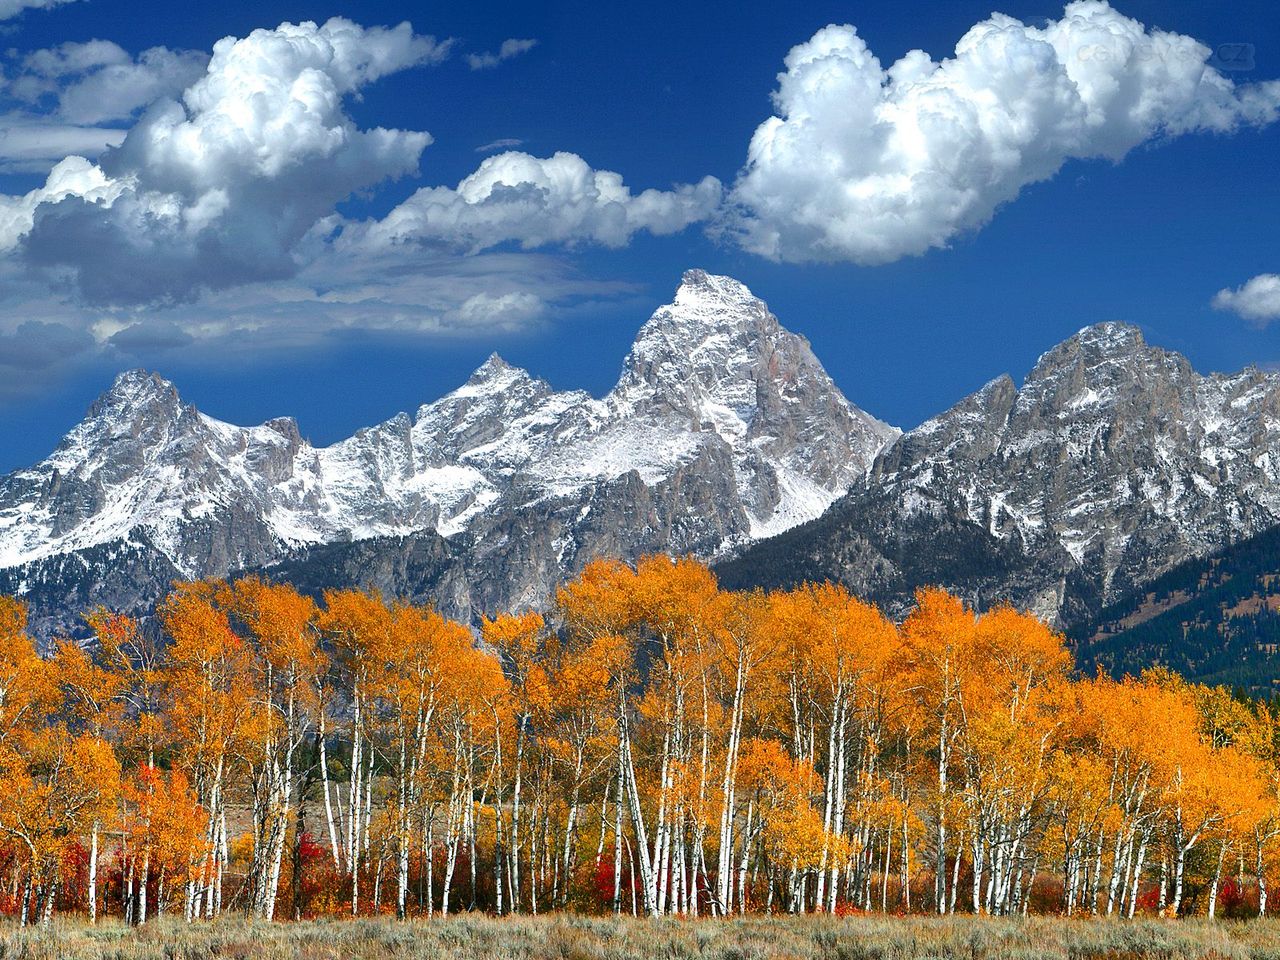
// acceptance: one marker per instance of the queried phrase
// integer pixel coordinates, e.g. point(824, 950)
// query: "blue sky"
point(1140, 220)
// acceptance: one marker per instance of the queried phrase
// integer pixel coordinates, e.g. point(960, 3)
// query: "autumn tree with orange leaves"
point(651, 743)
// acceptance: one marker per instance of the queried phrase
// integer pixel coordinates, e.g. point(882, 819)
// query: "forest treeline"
point(656, 745)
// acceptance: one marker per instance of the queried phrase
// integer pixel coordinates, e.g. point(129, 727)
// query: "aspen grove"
point(654, 745)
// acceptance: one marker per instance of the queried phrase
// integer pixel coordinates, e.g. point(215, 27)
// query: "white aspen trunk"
point(940, 877)
point(641, 853)
point(328, 801)
point(617, 837)
point(604, 820)
point(350, 858)
point(472, 853)
point(368, 801)
point(497, 856)
point(905, 863)
point(828, 801)
point(353, 798)
point(1179, 874)
point(402, 840)
point(142, 887)
point(1217, 878)
point(220, 863)
point(451, 861)
point(570, 830)
point(1260, 873)
point(665, 860)
point(1024, 894)
point(837, 824)
point(429, 856)
point(1095, 877)
point(1119, 863)
point(286, 806)
point(653, 894)
point(514, 868)
point(46, 913)
point(955, 876)
point(888, 865)
point(724, 866)
point(744, 861)
point(93, 873)
point(1137, 873)
point(978, 865)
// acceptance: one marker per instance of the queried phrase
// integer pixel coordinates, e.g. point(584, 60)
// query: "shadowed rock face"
point(1113, 462)
point(723, 428)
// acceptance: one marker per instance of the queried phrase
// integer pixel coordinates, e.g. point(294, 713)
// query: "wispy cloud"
point(509, 49)
point(506, 143)
point(11, 8)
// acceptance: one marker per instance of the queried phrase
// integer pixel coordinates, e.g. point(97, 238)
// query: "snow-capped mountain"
point(723, 428)
point(1115, 461)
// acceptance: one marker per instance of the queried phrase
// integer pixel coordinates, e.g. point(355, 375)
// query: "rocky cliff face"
point(1113, 462)
point(723, 428)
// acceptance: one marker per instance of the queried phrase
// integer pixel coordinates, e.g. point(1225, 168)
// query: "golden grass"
point(471, 937)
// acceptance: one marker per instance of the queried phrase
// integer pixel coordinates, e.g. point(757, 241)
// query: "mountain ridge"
point(722, 427)
point(1113, 461)
point(1109, 464)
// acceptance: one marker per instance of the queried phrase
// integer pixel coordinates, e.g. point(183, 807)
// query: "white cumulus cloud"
point(1258, 300)
point(73, 177)
point(537, 201)
point(220, 187)
point(869, 164)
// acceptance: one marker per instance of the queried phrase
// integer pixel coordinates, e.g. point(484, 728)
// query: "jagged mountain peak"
point(138, 379)
point(699, 286)
point(136, 391)
point(1101, 349)
point(1108, 340)
point(1109, 336)
point(495, 376)
point(1104, 366)
point(704, 306)
point(493, 368)
point(713, 346)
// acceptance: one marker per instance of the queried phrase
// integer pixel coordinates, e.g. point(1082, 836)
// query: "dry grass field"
point(584, 938)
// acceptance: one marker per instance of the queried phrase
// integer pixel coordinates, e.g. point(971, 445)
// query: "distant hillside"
point(1215, 619)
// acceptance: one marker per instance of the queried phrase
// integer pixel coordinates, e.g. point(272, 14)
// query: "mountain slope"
point(723, 427)
point(1113, 462)
point(1214, 619)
